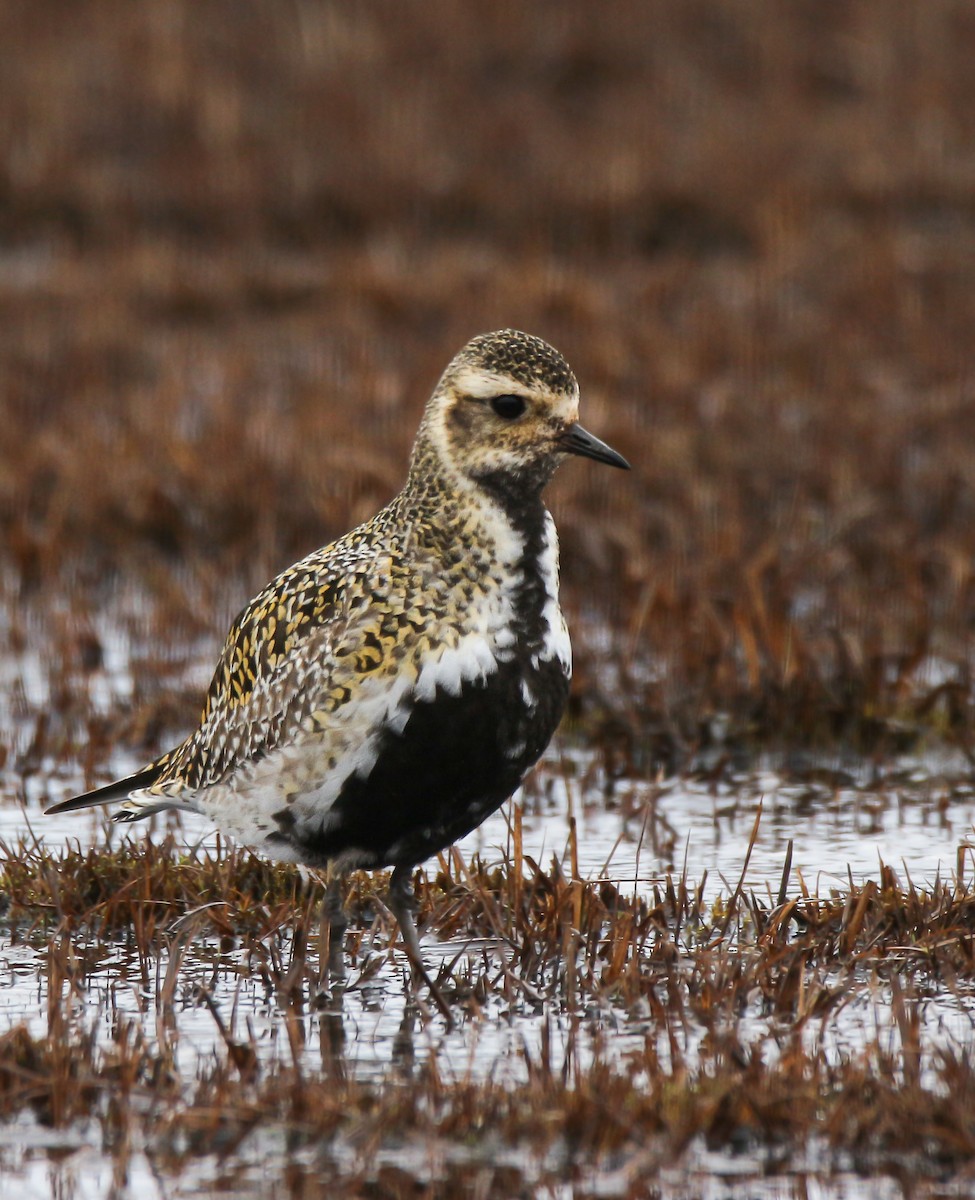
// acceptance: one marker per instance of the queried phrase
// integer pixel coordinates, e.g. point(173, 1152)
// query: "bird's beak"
point(577, 440)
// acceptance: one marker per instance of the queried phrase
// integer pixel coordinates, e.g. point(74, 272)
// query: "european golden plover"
point(384, 695)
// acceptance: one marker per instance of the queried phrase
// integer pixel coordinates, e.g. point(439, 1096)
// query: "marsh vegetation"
point(723, 940)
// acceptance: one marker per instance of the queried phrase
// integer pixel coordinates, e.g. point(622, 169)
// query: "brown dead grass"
point(724, 970)
point(238, 247)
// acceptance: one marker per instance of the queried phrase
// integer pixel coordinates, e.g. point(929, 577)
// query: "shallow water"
point(842, 817)
point(633, 836)
point(913, 819)
point(45, 1164)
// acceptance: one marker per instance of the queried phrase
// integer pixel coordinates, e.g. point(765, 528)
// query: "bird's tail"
point(121, 790)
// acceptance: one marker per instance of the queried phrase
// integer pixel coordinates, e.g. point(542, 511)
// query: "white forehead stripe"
point(483, 384)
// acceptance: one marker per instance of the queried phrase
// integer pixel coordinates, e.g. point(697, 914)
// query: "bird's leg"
point(334, 922)
point(401, 904)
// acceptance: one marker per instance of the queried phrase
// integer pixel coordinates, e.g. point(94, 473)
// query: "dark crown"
point(523, 357)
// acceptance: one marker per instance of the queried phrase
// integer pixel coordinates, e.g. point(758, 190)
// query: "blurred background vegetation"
point(239, 241)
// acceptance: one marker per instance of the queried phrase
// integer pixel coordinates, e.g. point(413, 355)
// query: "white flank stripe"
point(557, 644)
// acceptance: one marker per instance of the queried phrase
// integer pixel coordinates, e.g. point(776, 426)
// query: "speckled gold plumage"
point(375, 603)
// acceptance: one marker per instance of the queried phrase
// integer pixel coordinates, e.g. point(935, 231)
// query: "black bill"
point(579, 441)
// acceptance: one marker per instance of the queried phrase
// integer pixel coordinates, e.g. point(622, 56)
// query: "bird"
point(383, 696)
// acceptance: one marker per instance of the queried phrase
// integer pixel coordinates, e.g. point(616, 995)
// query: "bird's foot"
point(401, 904)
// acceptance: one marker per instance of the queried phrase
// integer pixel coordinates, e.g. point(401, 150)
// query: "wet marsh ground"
point(617, 1030)
point(722, 942)
point(749, 972)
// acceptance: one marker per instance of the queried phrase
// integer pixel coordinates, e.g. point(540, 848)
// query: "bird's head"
point(505, 414)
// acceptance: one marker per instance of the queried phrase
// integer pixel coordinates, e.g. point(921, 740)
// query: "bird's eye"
point(508, 407)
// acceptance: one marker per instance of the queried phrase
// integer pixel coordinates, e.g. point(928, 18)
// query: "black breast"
point(459, 757)
point(456, 761)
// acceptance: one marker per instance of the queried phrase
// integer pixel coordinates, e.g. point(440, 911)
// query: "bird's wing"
point(281, 651)
point(293, 658)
